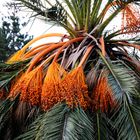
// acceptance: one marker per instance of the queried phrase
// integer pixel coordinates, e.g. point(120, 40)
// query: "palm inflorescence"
point(85, 86)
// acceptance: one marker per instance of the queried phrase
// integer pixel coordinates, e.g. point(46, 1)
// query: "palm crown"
point(83, 87)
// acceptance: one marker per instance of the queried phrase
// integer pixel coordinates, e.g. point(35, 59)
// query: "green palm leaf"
point(127, 121)
point(5, 115)
point(102, 125)
point(9, 71)
point(124, 83)
point(60, 123)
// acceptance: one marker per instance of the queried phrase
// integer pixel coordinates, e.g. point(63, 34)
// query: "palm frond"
point(53, 12)
point(60, 123)
point(5, 116)
point(84, 16)
point(127, 121)
point(10, 71)
point(102, 125)
point(124, 83)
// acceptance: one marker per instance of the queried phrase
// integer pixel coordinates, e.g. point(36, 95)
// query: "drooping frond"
point(124, 83)
point(8, 73)
point(102, 124)
point(127, 121)
point(60, 123)
point(5, 107)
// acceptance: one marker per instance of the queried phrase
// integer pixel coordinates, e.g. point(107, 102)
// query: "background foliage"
point(11, 37)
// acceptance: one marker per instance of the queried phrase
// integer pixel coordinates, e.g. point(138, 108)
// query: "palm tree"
point(85, 86)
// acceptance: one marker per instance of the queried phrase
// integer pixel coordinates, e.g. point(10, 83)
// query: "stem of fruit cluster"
point(36, 59)
point(65, 45)
point(102, 46)
point(33, 52)
point(85, 56)
point(41, 37)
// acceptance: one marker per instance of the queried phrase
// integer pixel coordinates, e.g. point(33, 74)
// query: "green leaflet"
point(5, 107)
point(103, 126)
point(123, 83)
point(9, 71)
point(60, 123)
